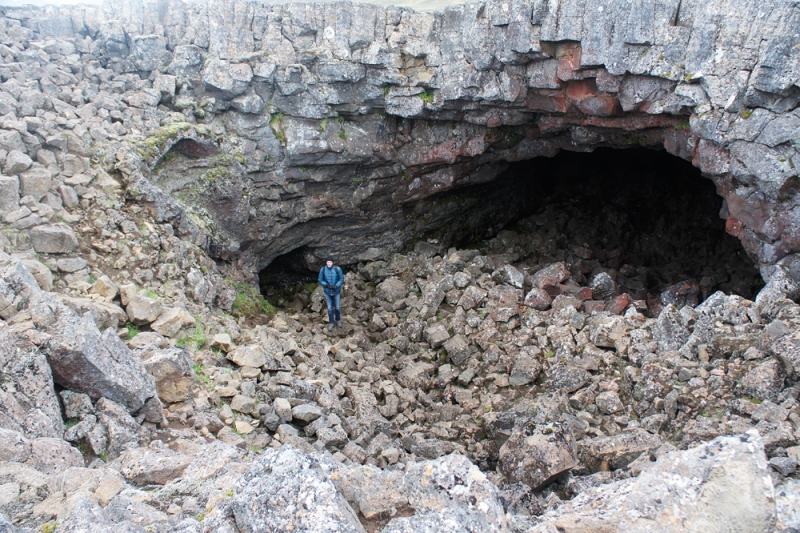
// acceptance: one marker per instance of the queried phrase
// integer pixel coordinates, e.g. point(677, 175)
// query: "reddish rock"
point(591, 306)
point(584, 294)
point(618, 304)
point(538, 299)
point(733, 227)
point(551, 275)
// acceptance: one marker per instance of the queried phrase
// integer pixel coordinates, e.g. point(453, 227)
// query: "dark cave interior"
point(646, 215)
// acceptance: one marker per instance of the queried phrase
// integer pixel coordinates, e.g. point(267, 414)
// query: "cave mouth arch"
point(645, 215)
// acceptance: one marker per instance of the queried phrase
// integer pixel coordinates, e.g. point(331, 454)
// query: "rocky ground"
point(529, 383)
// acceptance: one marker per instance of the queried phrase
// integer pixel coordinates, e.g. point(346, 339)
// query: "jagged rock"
point(457, 349)
point(608, 402)
point(14, 446)
point(617, 451)
point(9, 194)
point(550, 276)
point(171, 321)
point(143, 310)
point(538, 299)
point(106, 315)
point(85, 361)
point(28, 402)
point(53, 239)
point(172, 370)
point(721, 482)
point(764, 381)
point(253, 356)
point(787, 506)
point(51, 455)
point(153, 465)
point(391, 290)
point(281, 481)
point(436, 335)
point(42, 274)
point(603, 286)
point(534, 454)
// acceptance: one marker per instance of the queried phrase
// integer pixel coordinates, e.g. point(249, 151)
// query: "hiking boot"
point(339, 324)
point(330, 327)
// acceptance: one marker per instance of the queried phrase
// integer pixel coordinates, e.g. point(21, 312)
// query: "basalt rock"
point(383, 109)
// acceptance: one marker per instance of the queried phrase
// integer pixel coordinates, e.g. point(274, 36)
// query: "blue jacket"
point(331, 279)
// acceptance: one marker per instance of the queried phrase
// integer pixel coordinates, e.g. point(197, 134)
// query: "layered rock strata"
point(340, 126)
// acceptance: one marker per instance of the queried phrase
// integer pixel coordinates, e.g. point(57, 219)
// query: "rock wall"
point(260, 129)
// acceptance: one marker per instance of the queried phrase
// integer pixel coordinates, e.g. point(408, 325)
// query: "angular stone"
point(71, 264)
point(85, 361)
point(52, 456)
point(538, 299)
point(53, 239)
point(223, 342)
point(105, 288)
point(391, 290)
point(146, 466)
point(270, 492)
point(525, 370)
point(143, 310)
point(243, 404)
point(9, 194)
point(252, 355)
point(472, 297)
point(172, 370)
point(608, 402)
point(457, 349)
point(535, 454)
point(42, 274)
point(14, 446)
point(16, 162)
point(617, 451)
point(725, 481)
point(765, 381)
point(171, 321)
point(306, 412)
point(603, 286)
point(35, 182)
point(550, 275)
point(436, 335)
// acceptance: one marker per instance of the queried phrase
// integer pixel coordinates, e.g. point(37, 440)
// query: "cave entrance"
point(286, 282)
point(646, 215)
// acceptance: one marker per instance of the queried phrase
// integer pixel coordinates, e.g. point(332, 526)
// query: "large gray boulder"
point(720, 486)
point(53, 239)
point(85, 360)
point(286, 491)
point(28, 402)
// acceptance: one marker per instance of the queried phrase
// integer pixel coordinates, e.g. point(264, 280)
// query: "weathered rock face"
point(313, 127)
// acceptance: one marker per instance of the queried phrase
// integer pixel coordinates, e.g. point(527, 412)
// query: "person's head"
point(329, 261)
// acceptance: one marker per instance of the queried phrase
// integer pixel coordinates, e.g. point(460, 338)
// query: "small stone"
point(786, 466)
point(105, 288)
point(243, 427)
point(16, 162)
point(142, 309)
point(283, 409)
point(538, 299)
point(223, 342)
point(171, 321)
point(608, 402)
point(436, 335)
point(306, 412)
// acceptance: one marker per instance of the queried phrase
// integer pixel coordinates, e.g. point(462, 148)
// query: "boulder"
point(35, 182)
point(143, 310)
point(152, 465)
point(51, 456)
point(391, 290)
point(28, 402)
point(14, 446)
point(53, 239)
point(42, 274)
point(550, 276)
point(617, 451)
point(536, 453)
point(538, 299)
point(225, 79)
point(84, 360)
point(251, 355)
point(171, 321)
point(722, 485)
point(172, 370)
point(269, 495)
point(764, 381)
point(9, 194)
point(16, 162)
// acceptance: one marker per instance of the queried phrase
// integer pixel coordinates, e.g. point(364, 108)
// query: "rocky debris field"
point(469, 390)
point(526, 383)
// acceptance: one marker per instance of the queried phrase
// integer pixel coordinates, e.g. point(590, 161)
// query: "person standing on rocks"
point(331, 278)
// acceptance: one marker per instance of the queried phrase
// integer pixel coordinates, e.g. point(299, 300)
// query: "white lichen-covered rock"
point(722, 485)
point(286, 491)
